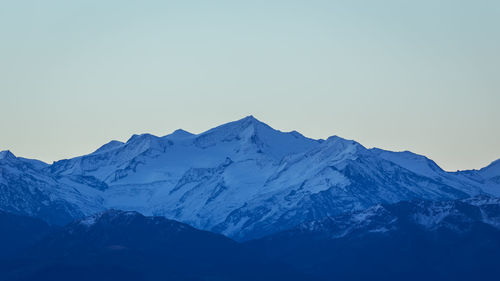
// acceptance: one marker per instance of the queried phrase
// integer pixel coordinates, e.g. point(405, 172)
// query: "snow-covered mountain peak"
point(254, 136)
point(134, 146)
point(492, 170)
point(135, 138)
point(250, 119)
point(8, 157)
point(6, 154)
point(416, 163)
point(336, 141)
point(495, 163)
point(179, 134)
point(235, 128)
point(109, 146)
point(247, 126)
point(336, 149)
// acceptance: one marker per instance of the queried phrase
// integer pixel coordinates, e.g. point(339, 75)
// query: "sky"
point(400, 75)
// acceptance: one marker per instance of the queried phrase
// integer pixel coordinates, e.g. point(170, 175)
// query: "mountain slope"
point(488, 177)
point(336, 176)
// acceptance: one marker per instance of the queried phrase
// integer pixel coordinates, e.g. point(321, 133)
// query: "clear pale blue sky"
point(401, 75)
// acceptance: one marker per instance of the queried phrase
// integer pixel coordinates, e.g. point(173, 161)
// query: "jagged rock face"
point(242, 179)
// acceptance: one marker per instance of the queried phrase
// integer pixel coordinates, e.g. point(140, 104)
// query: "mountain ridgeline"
point(242, 179)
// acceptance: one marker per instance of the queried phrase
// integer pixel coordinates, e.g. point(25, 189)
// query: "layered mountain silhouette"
point(242, 179)
point(410, 240)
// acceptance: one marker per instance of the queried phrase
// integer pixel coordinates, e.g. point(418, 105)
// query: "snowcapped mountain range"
point(242, 179)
